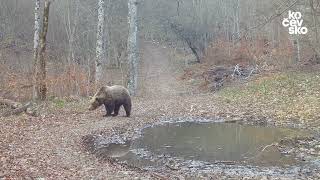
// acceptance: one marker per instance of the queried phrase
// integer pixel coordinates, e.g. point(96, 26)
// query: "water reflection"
point(212, 142)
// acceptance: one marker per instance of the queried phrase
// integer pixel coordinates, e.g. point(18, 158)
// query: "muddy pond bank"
point(200, 145)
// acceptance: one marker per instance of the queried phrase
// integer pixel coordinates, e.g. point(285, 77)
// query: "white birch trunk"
point(238, 19)
point(42, 75)
point(236, 24)
point(132, 46)
point(36, 46)
point(99, 49)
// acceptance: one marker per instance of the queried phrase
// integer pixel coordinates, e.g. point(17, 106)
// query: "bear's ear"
point(102, 89)
point(101, 93)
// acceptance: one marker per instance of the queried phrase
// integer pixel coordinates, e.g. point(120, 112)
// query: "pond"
point(201, 145)
point(217, 142)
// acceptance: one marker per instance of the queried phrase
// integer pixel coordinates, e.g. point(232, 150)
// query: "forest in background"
point(222, 32)
point(226, 70)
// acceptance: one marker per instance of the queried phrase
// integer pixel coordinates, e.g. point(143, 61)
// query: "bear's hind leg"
point(116, 109)
point(127, 108)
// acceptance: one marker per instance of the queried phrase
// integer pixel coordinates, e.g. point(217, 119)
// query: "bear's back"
point(118, 92)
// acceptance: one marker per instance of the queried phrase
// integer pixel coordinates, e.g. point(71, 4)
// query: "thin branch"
point(261, 25)
point(266, 147)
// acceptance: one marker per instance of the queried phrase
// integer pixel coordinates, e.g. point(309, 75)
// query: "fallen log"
point(10, 103)
point(17, 111)
point(17, 108)
point(32, 111)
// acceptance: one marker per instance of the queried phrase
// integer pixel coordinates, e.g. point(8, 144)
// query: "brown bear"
point(113, 97)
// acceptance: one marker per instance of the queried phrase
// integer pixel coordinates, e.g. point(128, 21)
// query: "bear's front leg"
point(109, 109)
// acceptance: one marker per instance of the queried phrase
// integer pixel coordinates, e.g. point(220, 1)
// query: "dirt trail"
point(157, 74)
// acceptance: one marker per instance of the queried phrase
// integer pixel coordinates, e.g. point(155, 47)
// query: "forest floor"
point(50, 146)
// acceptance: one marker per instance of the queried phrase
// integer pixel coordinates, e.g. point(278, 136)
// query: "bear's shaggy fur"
point(113, 97)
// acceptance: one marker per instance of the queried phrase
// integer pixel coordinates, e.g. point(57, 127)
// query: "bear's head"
point(98, 99)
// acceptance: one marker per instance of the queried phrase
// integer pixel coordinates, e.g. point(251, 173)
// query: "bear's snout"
point(91, 108)
point(94, 105)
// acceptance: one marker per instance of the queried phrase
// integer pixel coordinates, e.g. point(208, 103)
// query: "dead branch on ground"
point(275, 144)
point(17, 111)
point(17, 108)
point(9, 103)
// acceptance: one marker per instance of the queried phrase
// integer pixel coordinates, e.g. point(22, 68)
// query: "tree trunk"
point(132, 46)
point(42, 90)
point(35, 47)
point(296, 45)
point(71, 26)
point(236, 23)
point(99, 48)
point(315, 23)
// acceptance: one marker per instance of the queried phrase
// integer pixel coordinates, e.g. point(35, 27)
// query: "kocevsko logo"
point(294, 22)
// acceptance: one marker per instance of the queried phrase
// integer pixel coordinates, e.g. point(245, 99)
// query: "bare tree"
point(315, 38)
point(42, 75)
point(99, 48)
point(71, 20)
point(71, 26)
point(132, 46)
point(297, 53)
point(35, 46)
point(314, 19)
point(236, 27)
